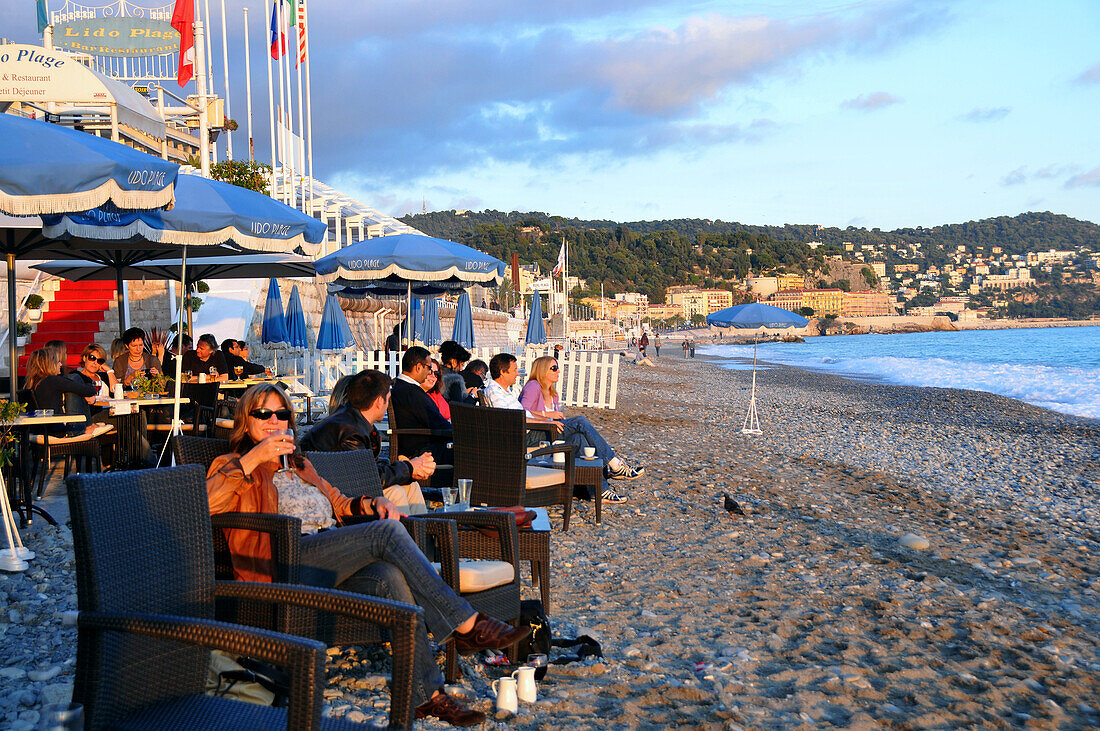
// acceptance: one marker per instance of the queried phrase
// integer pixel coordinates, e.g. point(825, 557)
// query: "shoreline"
point(806, 611)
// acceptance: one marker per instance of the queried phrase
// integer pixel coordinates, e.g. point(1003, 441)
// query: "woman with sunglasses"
point(375, 558)
point(94, 371)
point(540, 397)
point(433, 384)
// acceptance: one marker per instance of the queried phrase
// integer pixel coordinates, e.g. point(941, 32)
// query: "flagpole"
point(301, 150)
point(271, 122)
point(278, 41)
point(288, 110)
point(225, 64)
point(209, 68)
point(309, 102)
point(248, 88)
point(204, 122)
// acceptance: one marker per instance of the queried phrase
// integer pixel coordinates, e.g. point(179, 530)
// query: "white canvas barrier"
point(588, 378)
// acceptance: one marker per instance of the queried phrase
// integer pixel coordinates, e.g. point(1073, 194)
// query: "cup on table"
point(465, 488)
point(202, 378)
point(506, 694)
point(559, 457)
point(448, 497)
point(525, 684)
point(119, 393)
point(590, 453)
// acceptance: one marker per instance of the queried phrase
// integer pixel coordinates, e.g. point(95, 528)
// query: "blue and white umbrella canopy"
point(755, 316)
point(536, 328)
point(206, 213)
point(296, 322)
point(47, 168)
point(405, 258)
point(414, 321)
point(463, 332)
point(335, 333)
point(274, 333)
point(430, 331)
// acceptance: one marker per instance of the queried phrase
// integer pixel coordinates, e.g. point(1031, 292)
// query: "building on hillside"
point(528, 275)
point(879, 268)
point(1049, 257)
point(821, 301)
point(1014, 279)
point(699, 301)
point(761, 287)
point(865, 304)
point(789, 281)
point(665, 312)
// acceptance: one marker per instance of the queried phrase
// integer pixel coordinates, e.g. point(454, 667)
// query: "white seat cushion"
point(98, 431)
point(477, 575)
point(223, 423)
point(544, 477)
point(186, 426)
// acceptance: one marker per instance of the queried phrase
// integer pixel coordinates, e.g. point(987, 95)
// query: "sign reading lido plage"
point(33, 74)
point(117, 37)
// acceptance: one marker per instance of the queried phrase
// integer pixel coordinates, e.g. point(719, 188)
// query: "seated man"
point(205, 358)
point(414, 409)
point(351, 426)
point(231, 351)
point(503, 372)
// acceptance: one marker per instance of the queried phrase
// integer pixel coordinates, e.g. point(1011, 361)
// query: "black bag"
point(532, 613)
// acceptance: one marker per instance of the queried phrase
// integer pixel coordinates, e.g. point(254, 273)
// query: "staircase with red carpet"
point(74, 316)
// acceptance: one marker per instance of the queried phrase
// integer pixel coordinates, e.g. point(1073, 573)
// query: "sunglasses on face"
point(265, 414)
point(554, 368)
point(94, 359)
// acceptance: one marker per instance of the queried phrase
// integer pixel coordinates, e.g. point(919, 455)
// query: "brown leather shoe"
point(451, 710)
point(489, 634)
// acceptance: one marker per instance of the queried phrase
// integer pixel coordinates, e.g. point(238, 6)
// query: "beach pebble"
point(914, 541)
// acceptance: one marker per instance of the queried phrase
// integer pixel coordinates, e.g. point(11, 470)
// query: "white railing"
point(588, 378)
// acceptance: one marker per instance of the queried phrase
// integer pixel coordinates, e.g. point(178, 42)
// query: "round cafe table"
point(129, 421)
point(23, 499)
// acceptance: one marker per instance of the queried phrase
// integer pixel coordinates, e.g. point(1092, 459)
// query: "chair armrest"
point(568, 466)
point(285, 533)
point(567, 449)
point(419, 432)
point(445, 533)
point(304, 659)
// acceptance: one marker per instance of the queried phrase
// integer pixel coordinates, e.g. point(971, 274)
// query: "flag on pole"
point(560, 266)
point(43, 18)
point(278, 32)
point(183, 20)
point(301, 32)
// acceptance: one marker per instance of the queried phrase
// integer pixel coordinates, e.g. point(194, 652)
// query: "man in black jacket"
point(414, 409)
point(352, 427)
point(231, 351)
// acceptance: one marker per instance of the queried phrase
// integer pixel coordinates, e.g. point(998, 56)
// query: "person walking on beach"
point(691, 347)
point(684, 345)
point(643, 344)
point(657, 344)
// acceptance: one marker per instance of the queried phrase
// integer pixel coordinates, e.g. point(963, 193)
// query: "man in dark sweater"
point(352, 427)
point(414, 409)
point(231, 351)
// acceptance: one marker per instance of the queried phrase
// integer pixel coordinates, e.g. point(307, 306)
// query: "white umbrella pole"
point(12, 558)
point(13, 329)
point(176, 424)
point(751, 424)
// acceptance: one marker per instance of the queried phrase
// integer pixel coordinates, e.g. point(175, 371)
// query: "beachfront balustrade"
point(588, 378)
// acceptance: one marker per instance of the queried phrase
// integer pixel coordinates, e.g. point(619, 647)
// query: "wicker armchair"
point(355, 473)
point(147, 607)
point(444, 473)
point(490, 449)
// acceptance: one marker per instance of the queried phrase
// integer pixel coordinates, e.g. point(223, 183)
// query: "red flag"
point(183, 20)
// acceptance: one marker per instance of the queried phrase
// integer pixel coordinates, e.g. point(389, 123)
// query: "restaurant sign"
point(33, 74)
point(117, 37)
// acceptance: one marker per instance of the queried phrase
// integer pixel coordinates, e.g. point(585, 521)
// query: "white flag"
point(560, 266)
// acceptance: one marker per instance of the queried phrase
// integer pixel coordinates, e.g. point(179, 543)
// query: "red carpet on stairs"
point(74, 316)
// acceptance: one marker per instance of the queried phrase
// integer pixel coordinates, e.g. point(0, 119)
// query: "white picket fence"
point(588, 378)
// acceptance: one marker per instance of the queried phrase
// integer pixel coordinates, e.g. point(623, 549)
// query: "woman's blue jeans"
point(380, 559)
point(580, 433)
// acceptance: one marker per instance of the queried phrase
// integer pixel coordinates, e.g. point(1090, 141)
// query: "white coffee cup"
point(202, 378)
point(525, 684)
point(119, 393)
point(559, 457)
point(590, 453)
point(506, 694)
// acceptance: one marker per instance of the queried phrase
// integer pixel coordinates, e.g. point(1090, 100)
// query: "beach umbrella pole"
point(13, 364)
point(751, 424)
point(118, 295)
point(176, 430)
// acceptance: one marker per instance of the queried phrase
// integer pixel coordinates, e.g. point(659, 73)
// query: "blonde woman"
point(48, 386)
point(540, 397)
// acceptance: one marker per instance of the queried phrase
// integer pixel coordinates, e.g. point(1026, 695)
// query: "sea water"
point(1056, 368)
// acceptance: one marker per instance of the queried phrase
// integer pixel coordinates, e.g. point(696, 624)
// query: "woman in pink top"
point(432, 384)
point(540, 396)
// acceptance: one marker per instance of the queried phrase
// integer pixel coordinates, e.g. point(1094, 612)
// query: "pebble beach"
point(909, 558)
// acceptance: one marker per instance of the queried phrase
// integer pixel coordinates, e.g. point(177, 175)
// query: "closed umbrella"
point(463, 332)
point(273, 334)
point(752, 317)
point(414, 321)
point(429, 329)
point(536, 329)
point(296, 322)
point(335, 333)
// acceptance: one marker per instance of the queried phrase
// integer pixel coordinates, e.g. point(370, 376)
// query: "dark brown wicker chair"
point(147, 606)
point(490, 449)
point(444, 473)
point(84, 451)
point(355, 473)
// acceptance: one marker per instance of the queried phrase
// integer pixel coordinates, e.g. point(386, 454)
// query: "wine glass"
point(239, 370)
point(540, 662)
point(286, 462)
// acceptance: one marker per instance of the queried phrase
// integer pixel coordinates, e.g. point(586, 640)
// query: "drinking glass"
point(239, 370)
point(286, 461)
point(448, 497)
point(540, 663)
point(465, 488)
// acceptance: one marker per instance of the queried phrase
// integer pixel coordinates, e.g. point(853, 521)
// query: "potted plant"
point(34, 307)
point(22, 330)
point(148, 385)
point(9, 412)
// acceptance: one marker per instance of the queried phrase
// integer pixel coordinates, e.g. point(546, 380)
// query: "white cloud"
point(987, 114)
point(871, 102)
point(1090, 179)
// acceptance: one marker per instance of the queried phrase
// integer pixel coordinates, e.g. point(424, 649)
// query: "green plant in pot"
point(9, 413)
point(22, 330)
point(34, 307)
point(148, 385)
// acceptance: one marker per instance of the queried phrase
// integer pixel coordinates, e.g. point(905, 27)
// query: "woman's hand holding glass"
point(274, 447)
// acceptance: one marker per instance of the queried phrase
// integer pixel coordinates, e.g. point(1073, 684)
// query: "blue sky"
point(880, 113)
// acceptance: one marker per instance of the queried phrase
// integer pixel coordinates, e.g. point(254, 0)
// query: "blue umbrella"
point(754, 316)
point(410, 258)
point(274, 328)
point(429, 325)
point(750, 317)
point(463, 332)
point(296, 322)
point(536, 329)
point(47, 168)
point(207, 213)
point(334, 333)
point(414, 322)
